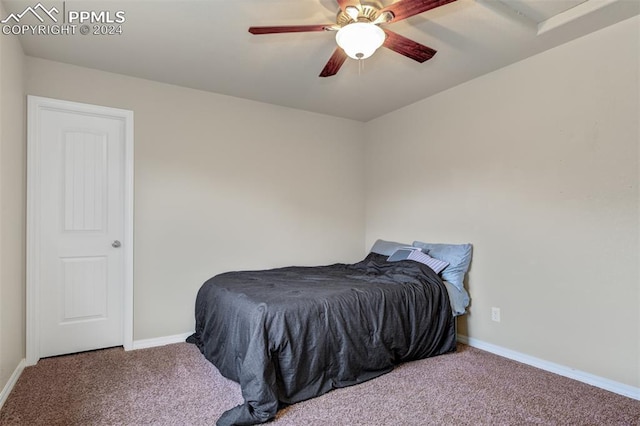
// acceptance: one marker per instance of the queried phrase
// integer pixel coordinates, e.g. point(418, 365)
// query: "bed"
point(290, 334)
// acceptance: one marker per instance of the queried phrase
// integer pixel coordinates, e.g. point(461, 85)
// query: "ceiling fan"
point(359, 34)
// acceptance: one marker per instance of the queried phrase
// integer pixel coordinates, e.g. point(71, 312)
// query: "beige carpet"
point(175, 385)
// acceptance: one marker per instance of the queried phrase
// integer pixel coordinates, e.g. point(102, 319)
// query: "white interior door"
point(80, 214)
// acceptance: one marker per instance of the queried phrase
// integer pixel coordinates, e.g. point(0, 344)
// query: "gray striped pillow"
point(415, 254)
point(436, 264)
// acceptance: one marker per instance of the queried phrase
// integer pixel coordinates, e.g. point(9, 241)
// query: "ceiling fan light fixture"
point(360, 40)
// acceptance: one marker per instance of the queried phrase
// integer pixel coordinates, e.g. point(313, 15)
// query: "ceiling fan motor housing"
point(367, 13)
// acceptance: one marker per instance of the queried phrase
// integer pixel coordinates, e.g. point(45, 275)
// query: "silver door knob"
point(116, 244)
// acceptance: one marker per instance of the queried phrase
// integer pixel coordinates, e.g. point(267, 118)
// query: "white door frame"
point(35, 105)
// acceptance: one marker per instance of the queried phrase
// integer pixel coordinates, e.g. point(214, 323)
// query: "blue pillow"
point(387, 248)
point(458, 256)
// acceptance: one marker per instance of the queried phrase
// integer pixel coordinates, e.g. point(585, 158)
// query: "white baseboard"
point(12, 382)
point(160, 341)
point(581, 376)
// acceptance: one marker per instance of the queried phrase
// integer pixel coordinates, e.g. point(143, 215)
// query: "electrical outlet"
point(495, 314)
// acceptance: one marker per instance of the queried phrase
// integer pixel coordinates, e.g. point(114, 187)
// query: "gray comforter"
point(294, 333)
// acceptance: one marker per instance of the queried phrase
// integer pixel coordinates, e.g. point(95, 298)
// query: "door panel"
point(85, 180)
point(83, 288)
point(81, 274)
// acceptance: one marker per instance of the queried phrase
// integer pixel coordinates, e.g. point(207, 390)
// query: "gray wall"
point(12, 205)
point(222, 184)
point(536, 164)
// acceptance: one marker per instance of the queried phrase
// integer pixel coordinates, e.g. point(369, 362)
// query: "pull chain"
point(360, 57)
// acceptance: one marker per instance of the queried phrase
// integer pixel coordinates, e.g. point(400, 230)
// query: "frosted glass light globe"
point(360, 40)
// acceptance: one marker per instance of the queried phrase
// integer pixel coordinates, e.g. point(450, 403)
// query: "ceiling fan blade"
point(408, 47)
point(334, 64)
point(289, 29)
point(404, 9)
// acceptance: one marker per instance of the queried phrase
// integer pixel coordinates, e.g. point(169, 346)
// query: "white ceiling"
point(204, 44)
point(541, 10)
